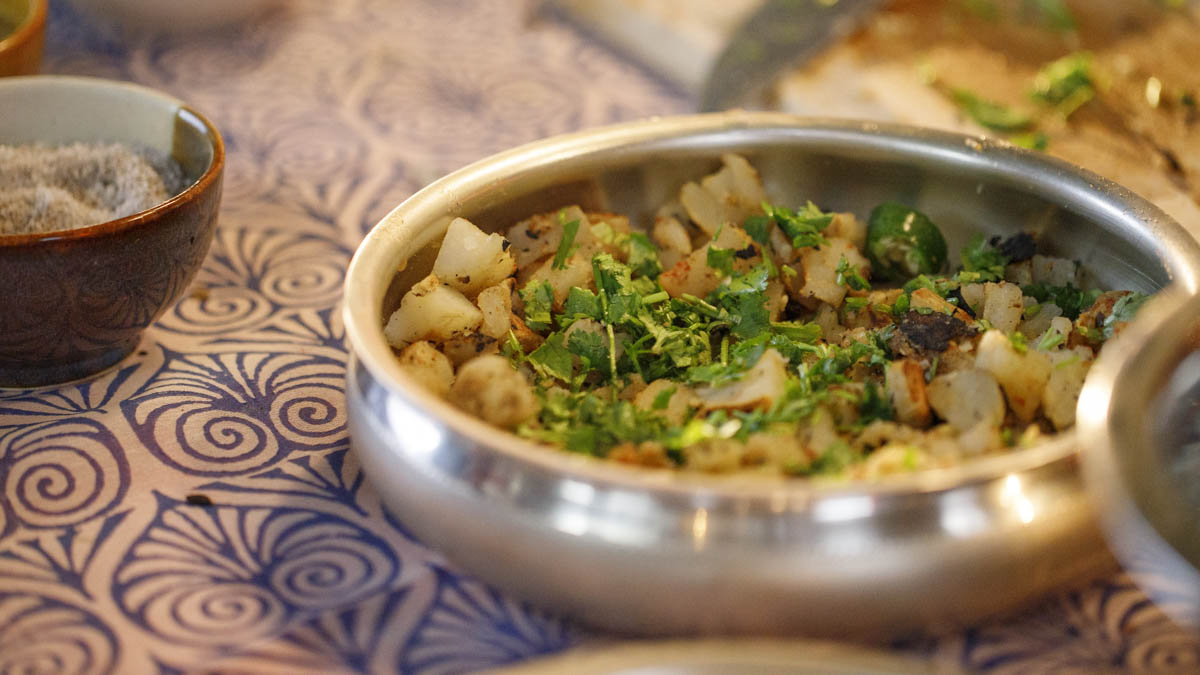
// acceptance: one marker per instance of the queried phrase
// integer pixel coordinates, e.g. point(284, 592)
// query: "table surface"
point(333, 112)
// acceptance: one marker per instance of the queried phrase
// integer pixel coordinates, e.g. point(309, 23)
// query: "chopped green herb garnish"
point(1036, 140)
point(849, 276)
point(1019, 342)
point(981, 261)
point(539, 299)
point(552, 359)
point(802, 227)
point(1051, 339)
point(990, 114)
point(1067, 83)
point(1053, 14)
point(581, 303)
point(1123, 311)
point(663, 398)
point(720, 259)
point(1072, 301)
point(759, 229)
point(570, 229)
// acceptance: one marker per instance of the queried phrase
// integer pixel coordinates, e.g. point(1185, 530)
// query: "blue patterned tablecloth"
point(333, 111)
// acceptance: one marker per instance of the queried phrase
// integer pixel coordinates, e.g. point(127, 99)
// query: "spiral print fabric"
point(42, 635)
point(218, 576)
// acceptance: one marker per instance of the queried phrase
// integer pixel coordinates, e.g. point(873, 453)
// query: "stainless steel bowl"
point(1139, 419)
point(656, 552)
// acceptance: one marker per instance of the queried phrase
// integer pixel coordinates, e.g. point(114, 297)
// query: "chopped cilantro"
point(857, 304)
point(835, 459)
point(570, 229)
point(1050, 339)
point(874, 406)
point(1019, 343)
point(1053, 14)
point(1123, 311)
point(940, 285)
point(744, 298)
point(539, 298)
point(1067, 83)
point(759, 228)
point(590, 346)
point(1036, 140)
point(1071, 300)
point(581, 303)
point(720, 259)
point(981, 261)
point(849, 276)
point(740, 359)
point(643, 255)
point(552, 359)
point(802, 227)
point(663, 398)
point(990, 114)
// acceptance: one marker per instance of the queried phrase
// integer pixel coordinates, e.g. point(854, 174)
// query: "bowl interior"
point(57, 110)
point(1122, 245)
point(964, 184)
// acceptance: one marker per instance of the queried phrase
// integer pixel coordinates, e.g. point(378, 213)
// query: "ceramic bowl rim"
point(199, 186)
point(369, 350)
point(34, 22)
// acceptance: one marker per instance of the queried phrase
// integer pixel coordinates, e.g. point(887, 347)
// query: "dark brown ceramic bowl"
point(76, 302)
point(22, 32)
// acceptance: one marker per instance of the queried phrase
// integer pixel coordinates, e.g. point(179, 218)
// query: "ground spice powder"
point(47, 188)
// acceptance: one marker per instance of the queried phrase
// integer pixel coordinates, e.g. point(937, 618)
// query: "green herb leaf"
point(1123, 311)
point(873, 406)
point(1071, 300)
point(1036, 140)
point(1055, 14)
point(759, 228)
point(1019, 342)
point(741, 358)
point(1067, 83)
point(570, 229)
point(849, 276)
point(642, 255)
point(581, 303)
point(803, 227)
point(663, 398)
point(989, 113)
point(744, 297)
point(590, 346)
point(552, 359)
point(982, 261)
point(539, 298)
point(720, 259)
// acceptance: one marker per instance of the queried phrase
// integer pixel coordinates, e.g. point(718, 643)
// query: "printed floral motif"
point(222, 414)
point(471, 627)
point(223, 575)
point(39, 634)
point(59, 474)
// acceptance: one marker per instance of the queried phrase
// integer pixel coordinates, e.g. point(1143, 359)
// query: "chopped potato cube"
point(431, 311)
point(470, 261)
point(429, 367)
point(489, 388)
point(966, 398)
